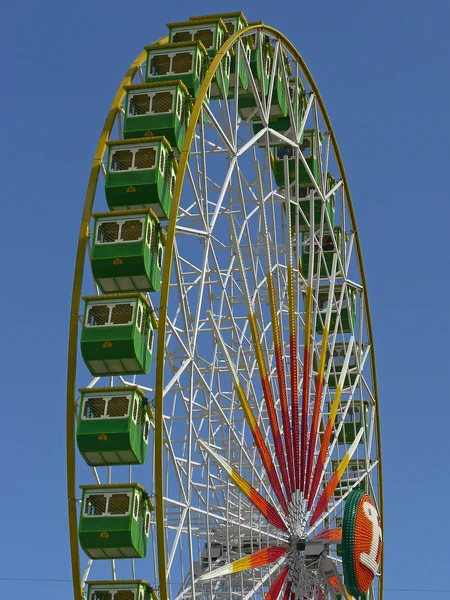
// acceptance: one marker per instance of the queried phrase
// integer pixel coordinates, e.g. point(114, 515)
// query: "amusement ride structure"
point(228, 433)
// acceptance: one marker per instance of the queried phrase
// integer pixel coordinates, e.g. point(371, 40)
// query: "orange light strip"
point(265, 508)
point(334, 534)
point(334, 582)
point(275, 588)
point(263, 557)
point(316, 410)
point(262, 369)
point(335, 478)
point(279, 362)
point(320, 463)
point(305, 391)
point(252, 423)
point(281, 375)
point(268, 397)
point(295, 463)
point(319, 381)
point(291, 428)
point(287, 591)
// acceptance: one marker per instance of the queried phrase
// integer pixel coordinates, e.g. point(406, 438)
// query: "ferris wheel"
point(224, 442)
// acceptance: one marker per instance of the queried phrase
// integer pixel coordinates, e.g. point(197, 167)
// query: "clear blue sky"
point(382, 68)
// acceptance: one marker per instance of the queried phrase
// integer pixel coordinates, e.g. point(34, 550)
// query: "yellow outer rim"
point(164, 296)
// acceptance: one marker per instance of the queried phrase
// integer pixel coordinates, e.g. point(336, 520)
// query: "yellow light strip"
point(335, 479)
point(268, 396)
point(320, 462)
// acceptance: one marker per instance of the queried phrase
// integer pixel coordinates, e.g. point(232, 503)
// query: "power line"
point(386, 589)
point(436, 591)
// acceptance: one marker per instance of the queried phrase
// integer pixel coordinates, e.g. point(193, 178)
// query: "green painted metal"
point(348, 312)
point(234, 22)
point(305, 205)
point(186, 61)
point(117, 334)
point(114, 521)
point(220, 85)
point(310, 147)
point(113, 426)
point(140, 173)
point(261, 67)
point(210, 31)
point(338, 361)
point(137, 589)
point(356, 467)
point(348, 536)
point(357, 417)
point(243, 75)
point(325, 257)
point(281, 123)
point(127, 251)
point(157, 109)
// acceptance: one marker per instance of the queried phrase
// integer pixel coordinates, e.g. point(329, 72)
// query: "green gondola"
point(243, 74)
point(261, 62)
point(113, 426)
point(233, 22)
point(329, 247)
point(157, 109)
point(136, 589)
point(310, 196)
point(338, 362)
point(117, 334)
point(282, 124)
point(356, 417)
point(127, 251)
point(211, 31)
point(114, 521)
point(356, 468)
point(140, 173)
point(186, 61)
point(347, 310)
point(310, 148)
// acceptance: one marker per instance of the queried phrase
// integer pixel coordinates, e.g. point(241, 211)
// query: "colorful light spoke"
point(319, 382)
point(293, 427)
point(335, 478)
point(275, 588)
point(277, 342)
point(265, 382)
point(261, 558)
point(287, 591)
point(295, 453)
point(320, 463)
point(305, 391)
point(329, 534)
point(266, 509)
point(253, 425)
